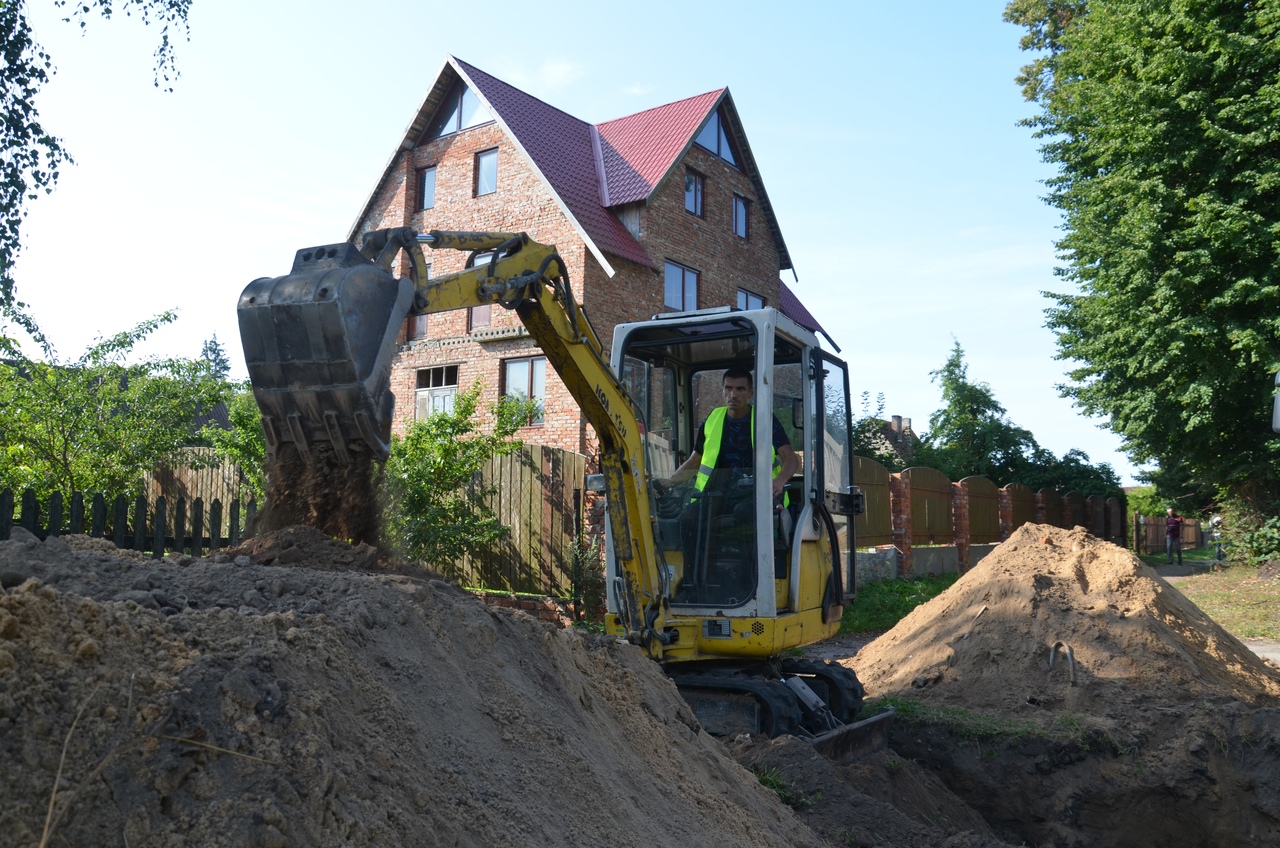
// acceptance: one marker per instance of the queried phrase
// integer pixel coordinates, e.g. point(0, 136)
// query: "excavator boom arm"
point(319, 344)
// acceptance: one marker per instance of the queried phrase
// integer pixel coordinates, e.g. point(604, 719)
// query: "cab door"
point(838, 499)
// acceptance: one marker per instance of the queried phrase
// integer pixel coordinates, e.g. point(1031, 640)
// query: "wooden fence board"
point(984, 511)
point(875, 526)
point(1022, 505)
point(1052, 502)
point(930, 506)
point(147, 526)
point(536, 493)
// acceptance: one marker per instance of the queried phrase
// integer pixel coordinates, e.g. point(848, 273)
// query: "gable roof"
point(637, 151)
point(590, 169)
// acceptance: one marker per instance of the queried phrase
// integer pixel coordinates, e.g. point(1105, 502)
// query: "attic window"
point(459, 110)
point(714, 138)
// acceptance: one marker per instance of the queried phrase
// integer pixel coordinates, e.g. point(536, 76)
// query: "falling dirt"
point(321, 490)
point(298, 691)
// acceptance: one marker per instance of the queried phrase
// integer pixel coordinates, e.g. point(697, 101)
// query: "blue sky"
point(887, 137)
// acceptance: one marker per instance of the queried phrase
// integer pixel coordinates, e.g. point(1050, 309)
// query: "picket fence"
point(149, 526)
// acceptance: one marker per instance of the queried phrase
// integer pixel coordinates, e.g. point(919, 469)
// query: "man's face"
point(1170, 511)
point(737, 396)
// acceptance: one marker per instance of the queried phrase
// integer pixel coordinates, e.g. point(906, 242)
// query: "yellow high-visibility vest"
point(713, 430)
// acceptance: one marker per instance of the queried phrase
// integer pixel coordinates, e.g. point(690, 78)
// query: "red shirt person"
point(1173, 535)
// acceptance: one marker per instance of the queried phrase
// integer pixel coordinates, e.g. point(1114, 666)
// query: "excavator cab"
point(728, 548)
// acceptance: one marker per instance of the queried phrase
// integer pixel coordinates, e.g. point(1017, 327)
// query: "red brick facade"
point(525, 202)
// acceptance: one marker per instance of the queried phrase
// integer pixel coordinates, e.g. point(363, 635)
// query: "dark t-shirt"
point(735, 445)
point(1173, 526)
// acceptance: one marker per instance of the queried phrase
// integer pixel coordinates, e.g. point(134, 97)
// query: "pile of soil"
point(1074, 697)
point(299, 691)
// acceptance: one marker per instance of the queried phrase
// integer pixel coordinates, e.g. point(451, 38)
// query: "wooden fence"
point(199, 477)
point(537, 492)
point(1149, 533)
point(922, 507)
point(136, 524)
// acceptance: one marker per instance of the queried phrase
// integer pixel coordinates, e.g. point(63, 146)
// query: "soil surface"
point(298, 691)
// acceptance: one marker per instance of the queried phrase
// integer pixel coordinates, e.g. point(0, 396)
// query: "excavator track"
point(730, 702)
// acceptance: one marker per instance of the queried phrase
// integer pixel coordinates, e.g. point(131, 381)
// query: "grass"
point(786, 792)
point(1237, 600)
point(968, 725)
point(883, 603)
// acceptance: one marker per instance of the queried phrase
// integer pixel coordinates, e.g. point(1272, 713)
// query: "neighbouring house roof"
point(591, 169)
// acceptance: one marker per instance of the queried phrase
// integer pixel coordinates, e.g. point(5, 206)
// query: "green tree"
point(1146, 501)
point(33, 157)
point(970, 433)
point(1160, 118)
point(215, 353)
point(869, 437)
point(98, 423)
point(244, 444)
point(436, 511)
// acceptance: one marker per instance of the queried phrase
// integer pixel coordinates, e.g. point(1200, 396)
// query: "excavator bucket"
point(318, 345)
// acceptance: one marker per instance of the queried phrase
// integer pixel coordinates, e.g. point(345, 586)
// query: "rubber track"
point(780, 713)
point(845, 691)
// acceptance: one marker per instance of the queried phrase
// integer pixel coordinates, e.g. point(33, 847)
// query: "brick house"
point(663, 210)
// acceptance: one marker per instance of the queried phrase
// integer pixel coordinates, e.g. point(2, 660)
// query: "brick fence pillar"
point(1006, 514)
point(900, 509)
point(1040, 516)
point(960, 522)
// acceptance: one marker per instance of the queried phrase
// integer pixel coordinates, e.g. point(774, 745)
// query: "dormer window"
point(459, 110)
point(714, 138)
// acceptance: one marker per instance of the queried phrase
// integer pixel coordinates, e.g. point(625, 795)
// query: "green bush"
point(437, 511)
point(1257, 545)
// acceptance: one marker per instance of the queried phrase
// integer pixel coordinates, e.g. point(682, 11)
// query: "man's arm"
point(687, 470)
point(790, 462)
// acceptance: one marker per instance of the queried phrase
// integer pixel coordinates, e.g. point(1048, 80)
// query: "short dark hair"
point(737, 372)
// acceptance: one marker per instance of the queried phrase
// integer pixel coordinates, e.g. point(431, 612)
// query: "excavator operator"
point(723, 458)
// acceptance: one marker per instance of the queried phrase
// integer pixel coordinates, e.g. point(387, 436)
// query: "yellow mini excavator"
point(715, 579)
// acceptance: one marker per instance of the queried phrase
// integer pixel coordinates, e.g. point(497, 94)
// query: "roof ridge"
point(715, 91)
point(473, 69)
point(602, 175)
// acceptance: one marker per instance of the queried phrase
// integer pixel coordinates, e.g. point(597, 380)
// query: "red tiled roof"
point(560, 146)
point(638, 150)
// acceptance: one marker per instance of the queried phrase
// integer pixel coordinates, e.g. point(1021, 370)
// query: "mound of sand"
point(221, 704)
point(1123, 633)
point(1127, 717)
point(297, 691)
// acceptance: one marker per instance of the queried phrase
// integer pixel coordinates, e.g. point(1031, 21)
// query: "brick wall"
point(523, 203)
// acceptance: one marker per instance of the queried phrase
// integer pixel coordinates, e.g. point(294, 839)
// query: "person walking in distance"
point(1173, 535)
